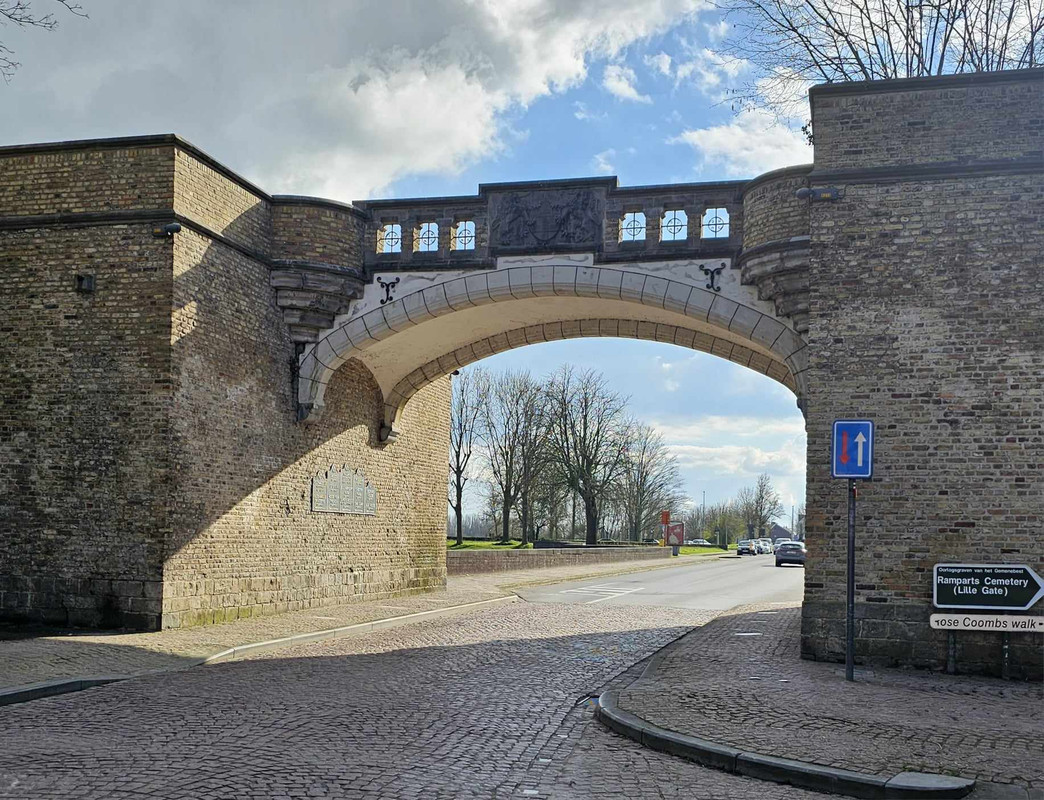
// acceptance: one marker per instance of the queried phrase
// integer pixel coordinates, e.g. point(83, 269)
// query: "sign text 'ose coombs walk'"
point(996, 587)
point(1003, 623)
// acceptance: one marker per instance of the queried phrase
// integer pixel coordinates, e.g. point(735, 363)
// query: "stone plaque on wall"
point(343, 491)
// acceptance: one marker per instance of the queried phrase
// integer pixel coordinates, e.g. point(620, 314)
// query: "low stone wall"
point(471, 562)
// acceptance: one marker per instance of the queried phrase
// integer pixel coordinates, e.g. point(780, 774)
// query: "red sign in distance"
point(676, 534)
point(665, 517)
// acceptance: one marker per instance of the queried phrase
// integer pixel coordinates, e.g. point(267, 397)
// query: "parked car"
point(746, 547)
point(766, 546)
point(698, 543)
point(790, 553)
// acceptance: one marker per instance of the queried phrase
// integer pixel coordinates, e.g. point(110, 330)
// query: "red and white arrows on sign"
point(860, 440)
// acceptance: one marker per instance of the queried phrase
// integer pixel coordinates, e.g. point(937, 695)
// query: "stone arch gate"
point(559, 260)
point(437, 323)
point(169, 326)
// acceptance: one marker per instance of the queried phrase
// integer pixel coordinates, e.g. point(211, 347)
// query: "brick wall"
point(771, 211)
point(44, 180)
point(244, 540)
point(481, 561)
point(954, 119)
point(326, 233)
point(84, 412)
point(926, 316)
point(151, 466)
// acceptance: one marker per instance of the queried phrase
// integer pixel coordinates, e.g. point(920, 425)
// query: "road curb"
point(902, 786)
point(37, 691)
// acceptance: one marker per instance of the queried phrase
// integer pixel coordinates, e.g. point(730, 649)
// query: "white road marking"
point(604, 592)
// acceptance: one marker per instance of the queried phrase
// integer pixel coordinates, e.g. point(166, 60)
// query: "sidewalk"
point(73, 655)
point(739, 682)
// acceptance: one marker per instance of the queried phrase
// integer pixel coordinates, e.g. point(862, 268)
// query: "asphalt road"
point(709, 584)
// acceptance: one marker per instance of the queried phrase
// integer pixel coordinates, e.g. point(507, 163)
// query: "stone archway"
point(410, 341)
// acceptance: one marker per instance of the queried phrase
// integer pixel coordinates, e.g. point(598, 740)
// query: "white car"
point(765, 546)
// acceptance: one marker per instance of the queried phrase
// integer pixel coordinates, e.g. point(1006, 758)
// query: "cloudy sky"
point(351, 99)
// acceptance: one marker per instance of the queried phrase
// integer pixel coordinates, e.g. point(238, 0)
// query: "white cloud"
point(740, 461)
point(661, 62)
point(752, 143)
point(714, 427)
point(671, 385)
point(709, 70)
point(309, 99)
point(601, 161)
point(620, 81)
point(748, 383)
point(581, 112)
point(717, 31)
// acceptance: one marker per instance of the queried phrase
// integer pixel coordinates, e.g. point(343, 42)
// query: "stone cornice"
point(775, 246)
point(149, 216)
point(928, 82)
point(1033, 164)
point(798, 170)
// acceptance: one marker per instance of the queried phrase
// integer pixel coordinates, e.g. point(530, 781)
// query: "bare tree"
point(650, 481)
point(532, 448)
point(469, 391)
point(759, 504)
point(503, 429)
point(587, 437)
point(550, 501)
point(695, 519)
point(724, 522)
point(793, 43)
point(21, 14)
point(492, 508)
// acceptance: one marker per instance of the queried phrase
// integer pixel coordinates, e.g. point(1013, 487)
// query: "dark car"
point(790, 553)
point(746, 547)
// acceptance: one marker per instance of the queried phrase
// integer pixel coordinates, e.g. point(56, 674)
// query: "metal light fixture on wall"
point(819, 194)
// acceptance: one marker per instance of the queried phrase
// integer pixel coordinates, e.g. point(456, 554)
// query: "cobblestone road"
point(78, 653)
point(481, 705)
point(886, 721)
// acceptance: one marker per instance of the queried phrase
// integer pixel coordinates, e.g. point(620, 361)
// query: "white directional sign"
point(1004, 623)
point(853, 449)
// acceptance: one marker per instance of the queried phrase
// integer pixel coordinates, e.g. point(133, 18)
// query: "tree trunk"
point(572, 511)
point(458, 511)
point(524, 517)
point(505, 524)
point(591, 520)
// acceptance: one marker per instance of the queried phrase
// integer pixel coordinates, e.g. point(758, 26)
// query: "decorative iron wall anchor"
point(713, 274)
point(388, 286)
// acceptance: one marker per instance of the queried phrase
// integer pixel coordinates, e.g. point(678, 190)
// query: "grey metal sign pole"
point(850, 619)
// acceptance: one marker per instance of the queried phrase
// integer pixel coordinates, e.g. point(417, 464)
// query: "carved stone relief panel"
point(547, 220)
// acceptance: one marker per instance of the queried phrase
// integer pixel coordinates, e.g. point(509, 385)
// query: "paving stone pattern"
point(754, 692)
point(480, 705)
point(77, 654)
